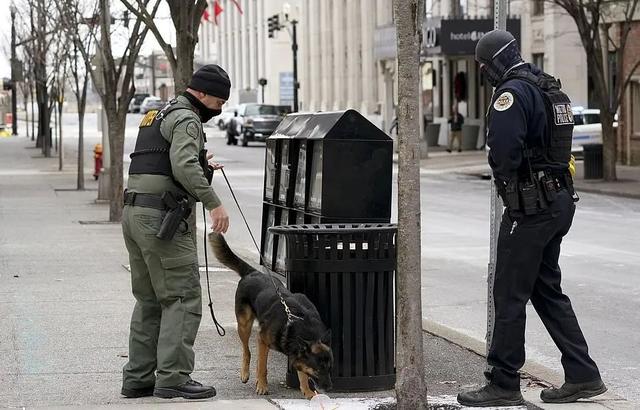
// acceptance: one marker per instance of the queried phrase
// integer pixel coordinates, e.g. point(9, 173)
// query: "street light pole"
point(294, 48)
point(14, 97)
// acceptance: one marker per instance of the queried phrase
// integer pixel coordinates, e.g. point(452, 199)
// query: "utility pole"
point(14, 62)
point(294, 48)
point(499, 23)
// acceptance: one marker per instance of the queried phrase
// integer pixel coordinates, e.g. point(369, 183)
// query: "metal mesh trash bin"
point(347, 271)
point(593, 161)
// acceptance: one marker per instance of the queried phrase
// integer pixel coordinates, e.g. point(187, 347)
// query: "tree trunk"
point(25, 100)
point(116, 146)
point(411, 390)
point(609, 148)
point(33, 114)
point(80, 181)
point(184, 56)
point(60, 145)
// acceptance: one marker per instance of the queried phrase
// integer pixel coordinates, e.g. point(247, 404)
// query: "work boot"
point(189, 390)
point(490, 396)
point(570, 392)
point(135, 393)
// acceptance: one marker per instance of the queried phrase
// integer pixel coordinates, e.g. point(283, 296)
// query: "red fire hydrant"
point(97, 161)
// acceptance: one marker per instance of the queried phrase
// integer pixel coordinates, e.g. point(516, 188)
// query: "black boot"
point(490, 396)
point(570, 392)
point(135, 393)
point(189, 390)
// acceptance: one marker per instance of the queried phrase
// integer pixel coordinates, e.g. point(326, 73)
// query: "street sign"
point(286, 88)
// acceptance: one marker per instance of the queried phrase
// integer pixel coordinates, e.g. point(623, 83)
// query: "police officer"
point(169, 173)
point(530, 127)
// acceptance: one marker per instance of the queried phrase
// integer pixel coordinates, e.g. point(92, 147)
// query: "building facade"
point(239, 43)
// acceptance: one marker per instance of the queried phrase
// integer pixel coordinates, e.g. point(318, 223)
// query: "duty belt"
point(144, 200)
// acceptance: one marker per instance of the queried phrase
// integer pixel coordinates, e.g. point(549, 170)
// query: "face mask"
point(206, 114)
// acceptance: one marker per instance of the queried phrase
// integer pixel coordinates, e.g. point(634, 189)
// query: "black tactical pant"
point(527, 269)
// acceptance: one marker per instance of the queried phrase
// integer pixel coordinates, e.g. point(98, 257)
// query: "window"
point(538, 60)
point(538, 7)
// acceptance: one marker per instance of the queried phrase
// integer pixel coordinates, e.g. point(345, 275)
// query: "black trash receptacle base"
point(347, 271)
point(351, 384)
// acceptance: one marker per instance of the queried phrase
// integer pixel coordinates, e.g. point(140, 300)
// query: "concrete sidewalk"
point(65, 303)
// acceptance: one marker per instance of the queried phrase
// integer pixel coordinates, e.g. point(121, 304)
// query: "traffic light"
point(125, 18)
point(273, 24)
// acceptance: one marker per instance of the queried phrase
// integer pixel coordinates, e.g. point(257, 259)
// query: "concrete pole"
point(499, 22)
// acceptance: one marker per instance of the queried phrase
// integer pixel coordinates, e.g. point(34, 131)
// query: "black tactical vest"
point(151, 154)
point(554, 150)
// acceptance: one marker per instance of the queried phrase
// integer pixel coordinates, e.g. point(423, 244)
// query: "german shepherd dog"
point(305, 340)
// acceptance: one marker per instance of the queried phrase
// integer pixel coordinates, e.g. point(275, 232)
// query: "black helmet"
point(498, 52)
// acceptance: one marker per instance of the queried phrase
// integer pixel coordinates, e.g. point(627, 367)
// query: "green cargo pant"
point(166, 284)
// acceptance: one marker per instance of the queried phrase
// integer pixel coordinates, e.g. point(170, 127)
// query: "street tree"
point(186, 16)
point(604, 27)
point(46, 52)
point(411, 390)
point(80, 35)
point(113, 80)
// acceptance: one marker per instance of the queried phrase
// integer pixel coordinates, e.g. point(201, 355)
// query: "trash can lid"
point(332, 228)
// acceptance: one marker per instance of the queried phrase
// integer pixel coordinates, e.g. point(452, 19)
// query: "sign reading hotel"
point(460, 36)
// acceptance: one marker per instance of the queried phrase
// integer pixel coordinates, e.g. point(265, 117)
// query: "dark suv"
point(136, 101)
point(253, 122)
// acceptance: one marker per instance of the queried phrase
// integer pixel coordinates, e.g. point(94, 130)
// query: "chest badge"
point(563, 114)
point(503, 102)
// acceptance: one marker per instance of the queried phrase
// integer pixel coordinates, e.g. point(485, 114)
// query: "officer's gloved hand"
point(572, 166)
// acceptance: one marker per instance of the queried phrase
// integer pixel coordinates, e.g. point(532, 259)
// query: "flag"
point(217, 10)
point(237, 5)
point(206, 15)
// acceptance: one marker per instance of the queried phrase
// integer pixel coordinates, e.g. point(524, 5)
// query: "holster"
point(178, 211)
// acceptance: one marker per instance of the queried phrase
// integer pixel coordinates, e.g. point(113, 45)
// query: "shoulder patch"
point(147, 120)
point(503, 102)
point(563, 114)
point(193, 129)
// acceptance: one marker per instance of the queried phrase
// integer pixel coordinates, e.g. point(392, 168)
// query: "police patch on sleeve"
point(193, 130)
point(503, 102)
point(563, 114)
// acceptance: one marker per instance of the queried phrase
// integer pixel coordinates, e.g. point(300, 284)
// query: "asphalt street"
point(600, 259)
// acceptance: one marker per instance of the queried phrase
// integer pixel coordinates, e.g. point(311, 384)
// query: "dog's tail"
point(225, 255)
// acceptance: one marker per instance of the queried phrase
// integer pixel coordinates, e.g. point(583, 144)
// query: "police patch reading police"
point(562, 113)
point(504, 102)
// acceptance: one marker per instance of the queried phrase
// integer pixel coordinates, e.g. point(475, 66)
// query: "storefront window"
point(538, 60)
point(538, 7)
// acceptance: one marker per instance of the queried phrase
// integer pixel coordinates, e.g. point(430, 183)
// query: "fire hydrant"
point(97, 161)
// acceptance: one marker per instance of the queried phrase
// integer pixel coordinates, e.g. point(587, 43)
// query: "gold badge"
point(147, 120)
point(503, 102)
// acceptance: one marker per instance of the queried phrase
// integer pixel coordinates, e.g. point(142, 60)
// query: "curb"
point(535, 370)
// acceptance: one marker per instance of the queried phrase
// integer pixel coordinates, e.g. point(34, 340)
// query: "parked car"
point(587, 128)
point(151, 103)
point(134, 105)
point(222, 120)
point(253, 122)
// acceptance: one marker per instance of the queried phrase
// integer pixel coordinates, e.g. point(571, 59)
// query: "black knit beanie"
point(212, 80)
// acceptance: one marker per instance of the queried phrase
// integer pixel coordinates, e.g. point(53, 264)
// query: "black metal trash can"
point(593, 167)
point(348, 272)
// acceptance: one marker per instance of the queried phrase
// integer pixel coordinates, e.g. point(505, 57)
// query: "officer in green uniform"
point(169, 173)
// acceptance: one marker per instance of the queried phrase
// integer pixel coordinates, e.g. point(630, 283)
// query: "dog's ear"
point(326, 337)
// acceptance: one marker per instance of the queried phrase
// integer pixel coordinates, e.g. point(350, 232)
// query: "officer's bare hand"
point(209, 156)
point(216, 165)
point(220, 219)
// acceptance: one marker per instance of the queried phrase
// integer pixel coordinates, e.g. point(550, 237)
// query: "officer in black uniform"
point(530, 127)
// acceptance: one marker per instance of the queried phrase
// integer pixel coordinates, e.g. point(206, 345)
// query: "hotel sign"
point(460, 36)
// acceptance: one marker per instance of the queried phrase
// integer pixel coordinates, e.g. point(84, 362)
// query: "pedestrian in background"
point(529, 156)
point(456, 120)
point(169, 173)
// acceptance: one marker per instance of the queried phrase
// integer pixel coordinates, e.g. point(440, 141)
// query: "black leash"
point(290, 316)
point(219, 327)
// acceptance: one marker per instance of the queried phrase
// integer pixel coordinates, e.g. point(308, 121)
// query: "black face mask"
point(205, 113)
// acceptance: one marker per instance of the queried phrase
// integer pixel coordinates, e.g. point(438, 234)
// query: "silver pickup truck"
point(253, 122)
